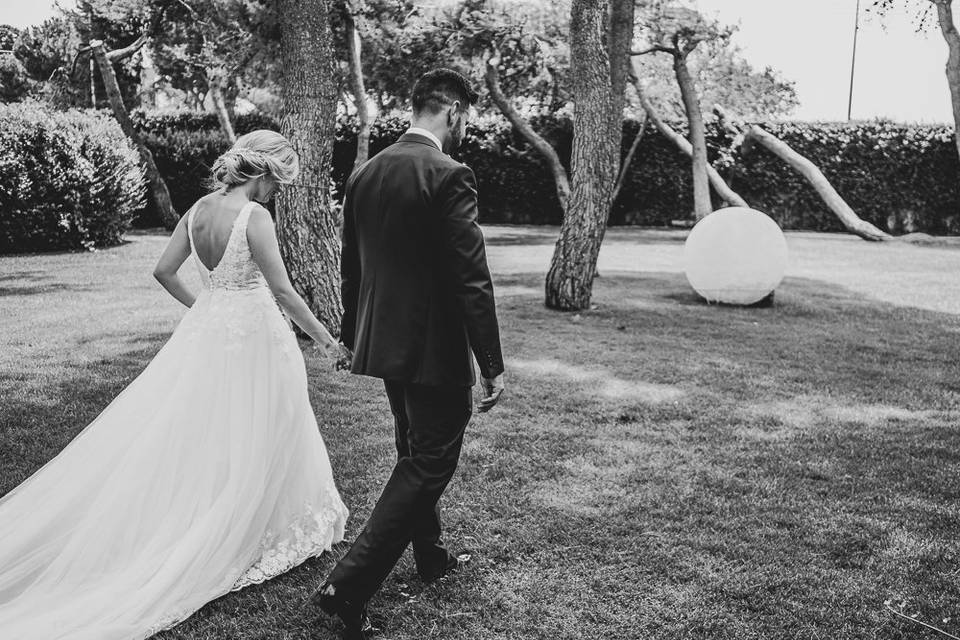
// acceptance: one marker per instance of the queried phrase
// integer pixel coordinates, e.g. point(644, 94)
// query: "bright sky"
point(899, 72)
point(25, 13)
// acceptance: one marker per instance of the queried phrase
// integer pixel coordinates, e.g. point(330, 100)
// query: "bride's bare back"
point(214, 217)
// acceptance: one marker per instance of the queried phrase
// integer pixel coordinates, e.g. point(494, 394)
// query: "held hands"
point(342, 356)
point(492, 388)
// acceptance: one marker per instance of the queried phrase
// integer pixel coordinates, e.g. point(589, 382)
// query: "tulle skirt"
point(206, 474)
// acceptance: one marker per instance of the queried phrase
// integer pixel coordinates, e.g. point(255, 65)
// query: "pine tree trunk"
point(698, 137)
point(216, 80)
point(595, 158)
point(158, 188)
point(619, 41)
point(359, 92)
point(952, 37)
point(719, 185)
point(307, 226)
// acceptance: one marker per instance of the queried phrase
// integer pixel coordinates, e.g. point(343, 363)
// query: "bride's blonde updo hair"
point(254, 155)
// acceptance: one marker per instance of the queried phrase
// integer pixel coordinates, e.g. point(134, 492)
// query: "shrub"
point(900, 177)
point(68, 180)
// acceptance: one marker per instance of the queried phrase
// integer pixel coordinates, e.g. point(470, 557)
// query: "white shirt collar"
point(426, 134)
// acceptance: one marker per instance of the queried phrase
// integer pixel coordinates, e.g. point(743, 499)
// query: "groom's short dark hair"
point(441, 87)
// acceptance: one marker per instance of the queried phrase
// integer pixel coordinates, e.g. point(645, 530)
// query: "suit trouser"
point(429, 426)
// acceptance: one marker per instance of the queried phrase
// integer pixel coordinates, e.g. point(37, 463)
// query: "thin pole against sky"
point(853, 60)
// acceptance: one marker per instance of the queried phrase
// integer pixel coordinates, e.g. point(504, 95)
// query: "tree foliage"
point(37, 53)
point(722, 74)
point(233, 41)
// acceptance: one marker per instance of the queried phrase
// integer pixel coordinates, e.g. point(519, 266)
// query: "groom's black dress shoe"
point(356, 624)
point(454, 561)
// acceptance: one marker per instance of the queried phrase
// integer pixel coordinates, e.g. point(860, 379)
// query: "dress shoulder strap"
point(244, 216)
point(189, 216)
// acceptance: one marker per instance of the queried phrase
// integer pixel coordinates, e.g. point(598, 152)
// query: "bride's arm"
point(265, 249)
point(178, 250)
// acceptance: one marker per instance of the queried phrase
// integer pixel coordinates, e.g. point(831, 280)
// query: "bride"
point(208, 472)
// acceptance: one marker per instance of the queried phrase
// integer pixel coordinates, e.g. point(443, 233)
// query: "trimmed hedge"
point(184, 147)
point(68, 180)
point(900, 177)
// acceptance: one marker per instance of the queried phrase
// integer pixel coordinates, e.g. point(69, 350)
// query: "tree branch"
point(629, 158)
point(719, 185)
point(654, 49)
point(76, 58)
point(735, 132)
point(492, 80)
point(192, 11)
point(355, 75)
point(755, 134)
point(117, 54)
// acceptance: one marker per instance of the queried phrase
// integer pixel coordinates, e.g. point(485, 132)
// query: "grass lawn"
point(659, 468)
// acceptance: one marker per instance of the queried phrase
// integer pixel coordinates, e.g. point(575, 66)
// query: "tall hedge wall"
point(900, 177)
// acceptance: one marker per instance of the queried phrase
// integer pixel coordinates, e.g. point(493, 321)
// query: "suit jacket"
point(417, 292)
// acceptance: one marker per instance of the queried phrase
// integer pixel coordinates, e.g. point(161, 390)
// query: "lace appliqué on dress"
point(237, 301)
point(309, 536)
point(237, 270)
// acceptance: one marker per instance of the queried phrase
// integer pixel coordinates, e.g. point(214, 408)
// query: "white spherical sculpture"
point(735, 256)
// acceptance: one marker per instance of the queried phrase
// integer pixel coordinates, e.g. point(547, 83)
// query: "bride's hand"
point(340, 353)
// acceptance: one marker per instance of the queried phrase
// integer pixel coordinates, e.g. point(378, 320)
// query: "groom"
point(418, 300)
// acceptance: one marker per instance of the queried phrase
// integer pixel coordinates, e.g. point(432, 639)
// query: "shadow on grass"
point(507, 235)
point(527, 237)
point(799, 469)
point(42, 289)
point(26, 283)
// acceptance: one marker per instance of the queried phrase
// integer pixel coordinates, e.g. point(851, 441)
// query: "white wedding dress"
point(205, 475)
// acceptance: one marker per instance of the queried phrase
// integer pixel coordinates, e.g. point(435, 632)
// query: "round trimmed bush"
point(68, 180)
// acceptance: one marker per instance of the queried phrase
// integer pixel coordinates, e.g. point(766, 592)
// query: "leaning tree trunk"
point(306, 223)
point(952, 36)
point(817, 180)
point(158, 188)
point(560, 178)
point(595, 158)
point(720, 185)
point(698, 137)
point(628, 159)
point(216, 78)
point(619, 41)
point(357, 88)
point(747, 137)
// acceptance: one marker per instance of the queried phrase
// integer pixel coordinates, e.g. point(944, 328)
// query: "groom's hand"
point(492, 388)
point(344, 358)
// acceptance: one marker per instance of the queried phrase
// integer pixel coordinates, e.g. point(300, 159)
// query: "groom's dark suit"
point(418, 299)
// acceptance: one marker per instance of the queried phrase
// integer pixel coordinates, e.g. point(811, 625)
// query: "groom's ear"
point(454, 110)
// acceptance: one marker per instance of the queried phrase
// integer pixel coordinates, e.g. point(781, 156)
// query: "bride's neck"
point(248, 189)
